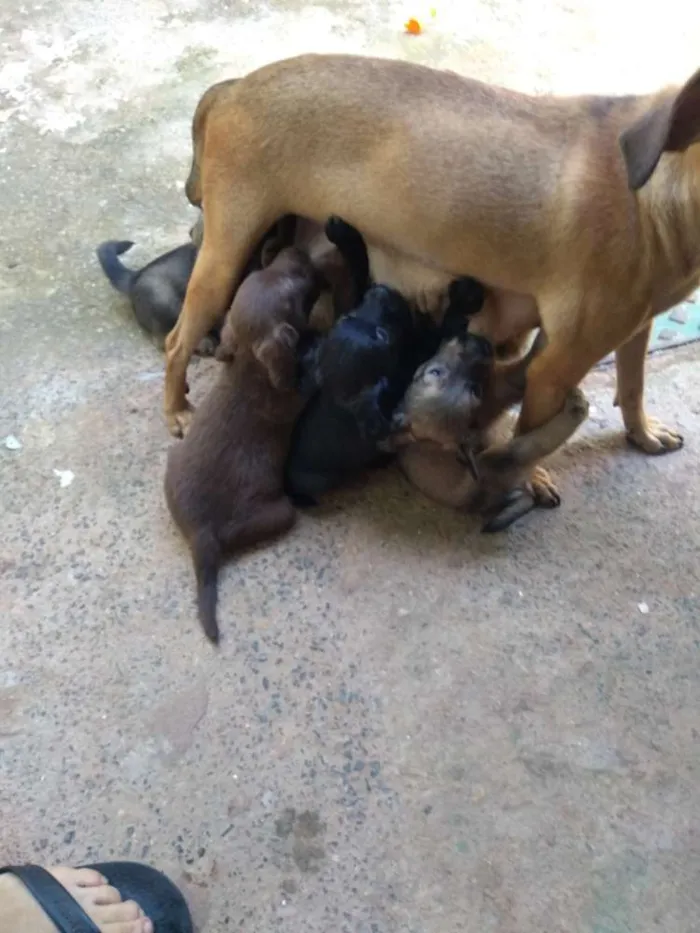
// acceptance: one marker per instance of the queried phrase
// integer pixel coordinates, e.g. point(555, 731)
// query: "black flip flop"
point(157, 896)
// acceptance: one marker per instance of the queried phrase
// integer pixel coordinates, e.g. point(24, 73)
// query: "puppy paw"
point(539, 492)
point(653, 437)
point(179, 421)
point(207, 346)
point(544, 491)
point(514, 505)
point(502, 499)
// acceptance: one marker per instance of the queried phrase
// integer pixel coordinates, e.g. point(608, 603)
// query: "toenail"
point(147, 926)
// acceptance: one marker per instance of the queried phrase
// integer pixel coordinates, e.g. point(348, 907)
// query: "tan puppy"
point(441, 445)
point(582, 213)
point(224, 482)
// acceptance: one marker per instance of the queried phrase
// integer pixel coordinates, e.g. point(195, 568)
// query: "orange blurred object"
point(413, 27)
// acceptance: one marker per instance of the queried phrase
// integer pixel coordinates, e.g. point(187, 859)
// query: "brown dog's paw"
point(544, 490)
point(655, 438)
point(179, 421)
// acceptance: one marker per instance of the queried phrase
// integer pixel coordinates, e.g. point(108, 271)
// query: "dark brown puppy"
point(223, 482)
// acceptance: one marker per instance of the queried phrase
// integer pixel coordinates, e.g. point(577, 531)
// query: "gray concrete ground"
point(409, 727)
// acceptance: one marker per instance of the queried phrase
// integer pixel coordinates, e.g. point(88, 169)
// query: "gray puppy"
point(441, 445)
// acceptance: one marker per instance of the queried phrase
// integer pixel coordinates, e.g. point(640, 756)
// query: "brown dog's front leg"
point(643, 432)
point(208, 294)
point(507, 383)
point(520, 453)
point(231, 227)
point(550, 378)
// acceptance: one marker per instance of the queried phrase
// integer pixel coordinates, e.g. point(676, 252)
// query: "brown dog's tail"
point(206, 553)
point(193, 185)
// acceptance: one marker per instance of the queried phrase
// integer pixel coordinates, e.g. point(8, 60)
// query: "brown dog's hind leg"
point(230, 233)
point(643, 432)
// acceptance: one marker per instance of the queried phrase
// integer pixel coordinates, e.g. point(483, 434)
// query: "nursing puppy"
point(362, 370)
point(441, 442)
point(224, 481)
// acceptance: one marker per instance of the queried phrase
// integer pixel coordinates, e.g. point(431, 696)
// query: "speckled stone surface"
point(409, 727)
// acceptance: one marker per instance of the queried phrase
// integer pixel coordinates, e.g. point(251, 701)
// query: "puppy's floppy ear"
point(277, 353)
point(670, 125)
point(226, 351)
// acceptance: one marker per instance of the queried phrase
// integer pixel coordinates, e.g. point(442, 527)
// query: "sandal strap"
point(58, 905)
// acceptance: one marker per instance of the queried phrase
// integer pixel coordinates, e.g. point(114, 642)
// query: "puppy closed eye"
point(434, 372)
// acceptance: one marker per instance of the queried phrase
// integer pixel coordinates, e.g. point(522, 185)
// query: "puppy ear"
point(226, 351)
point(277, 353)
point(670, 125)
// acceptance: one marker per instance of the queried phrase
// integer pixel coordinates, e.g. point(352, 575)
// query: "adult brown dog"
point(223, 483)
point(581, 213)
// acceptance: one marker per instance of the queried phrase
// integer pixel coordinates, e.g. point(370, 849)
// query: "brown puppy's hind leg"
point(643, 432)
point(229, 232)
point(269, 520)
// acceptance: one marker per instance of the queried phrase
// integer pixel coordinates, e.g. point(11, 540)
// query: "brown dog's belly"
point(506, 314)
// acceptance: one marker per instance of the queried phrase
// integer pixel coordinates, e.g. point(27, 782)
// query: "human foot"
point(21, 913)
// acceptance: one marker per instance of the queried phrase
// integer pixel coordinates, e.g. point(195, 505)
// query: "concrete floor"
point(409, 727)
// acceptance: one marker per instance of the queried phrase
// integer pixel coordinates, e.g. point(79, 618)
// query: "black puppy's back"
point(157, 291)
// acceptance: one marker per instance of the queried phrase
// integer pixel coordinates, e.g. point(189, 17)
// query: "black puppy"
point(361, 371)
point(157, 291)
point(465, 297)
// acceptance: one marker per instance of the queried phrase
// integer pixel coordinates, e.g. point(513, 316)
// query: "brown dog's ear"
point(277, 353)
point(671, 125)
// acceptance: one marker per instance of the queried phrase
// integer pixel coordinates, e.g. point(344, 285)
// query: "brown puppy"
point(223, 482)
point(441, 442)
point(341, 294)
point(581, 213)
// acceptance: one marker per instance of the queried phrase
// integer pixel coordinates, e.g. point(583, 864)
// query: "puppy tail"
point(207, 558)
point(108, 254)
